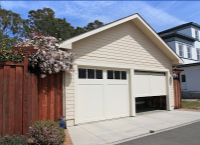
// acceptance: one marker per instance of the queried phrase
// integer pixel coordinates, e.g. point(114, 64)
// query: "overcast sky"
point(160, 15)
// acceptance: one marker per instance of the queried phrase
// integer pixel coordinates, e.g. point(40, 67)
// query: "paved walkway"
point(123, 129)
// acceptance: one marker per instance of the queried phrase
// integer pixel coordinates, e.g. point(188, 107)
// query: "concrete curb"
point(148, 134)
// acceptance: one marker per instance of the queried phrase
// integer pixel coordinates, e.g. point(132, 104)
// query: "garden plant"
point(47, 133)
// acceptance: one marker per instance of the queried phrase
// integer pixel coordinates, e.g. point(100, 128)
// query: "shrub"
point(11, 55)
point(15, 139)
point(47, 132)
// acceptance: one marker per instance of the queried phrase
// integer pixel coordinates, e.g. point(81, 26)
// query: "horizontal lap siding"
point(69, 97)
point(124, 44)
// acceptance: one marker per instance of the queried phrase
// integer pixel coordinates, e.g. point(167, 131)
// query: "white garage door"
point(102, 94)
point(149, 84)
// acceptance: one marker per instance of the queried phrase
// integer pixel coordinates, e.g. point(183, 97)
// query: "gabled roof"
point(180, 27)
point(141, 24)
point(179, 35)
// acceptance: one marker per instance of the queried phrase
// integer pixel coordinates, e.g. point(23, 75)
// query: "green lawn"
point(191, 105)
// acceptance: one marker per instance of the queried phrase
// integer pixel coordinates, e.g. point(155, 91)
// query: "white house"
point(184, 40)
point(119, 68)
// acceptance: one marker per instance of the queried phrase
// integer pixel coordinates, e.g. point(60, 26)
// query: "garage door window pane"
point(90, 74)
point(99, 74)
point(117, 74)
point(123, 75)
point(110, 74)
point(82, 73)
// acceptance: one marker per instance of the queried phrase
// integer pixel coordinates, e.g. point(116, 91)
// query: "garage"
point(102, 94)
point(150, 91)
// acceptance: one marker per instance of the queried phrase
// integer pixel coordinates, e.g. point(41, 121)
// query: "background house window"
point(183, 78)
point(189, 52)
point(180, 50)
point(198, 54)
point(197, 34)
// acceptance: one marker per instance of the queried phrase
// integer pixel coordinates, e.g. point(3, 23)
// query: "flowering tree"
point(49, 57)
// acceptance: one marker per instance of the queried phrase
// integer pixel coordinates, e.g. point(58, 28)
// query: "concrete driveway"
point(124, 129)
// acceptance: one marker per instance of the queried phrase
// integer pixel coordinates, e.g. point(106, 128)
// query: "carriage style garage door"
point(149, 84)
point(102, 94)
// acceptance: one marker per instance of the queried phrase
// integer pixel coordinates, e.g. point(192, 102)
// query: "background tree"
point(44, 21)
point(78, 31)
point(11, 28)
point(93, 25)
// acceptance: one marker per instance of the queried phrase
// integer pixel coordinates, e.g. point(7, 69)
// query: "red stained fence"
point(177, 90)
point(26, 97)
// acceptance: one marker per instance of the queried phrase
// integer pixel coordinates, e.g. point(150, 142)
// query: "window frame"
point(180, 50)
point(114, 74)
point(95, 73)
point(198, 53)
point(189, 53)
point(197, 34)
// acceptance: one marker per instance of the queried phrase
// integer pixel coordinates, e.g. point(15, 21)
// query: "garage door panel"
point(116, 101)
point(116, 82)
point(149, 84)
point(90, 102)
point(90, 81)
point(102, 98)
point(142, 85)
point(158, 85)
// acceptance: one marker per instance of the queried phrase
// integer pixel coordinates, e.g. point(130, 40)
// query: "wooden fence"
point(26, 97)
point(177, 89)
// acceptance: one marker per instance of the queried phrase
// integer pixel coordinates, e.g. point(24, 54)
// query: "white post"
point(169, 84)
point(132, 96)
point(75, 92)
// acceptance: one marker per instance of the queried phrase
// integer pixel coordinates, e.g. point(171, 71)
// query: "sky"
point(160, 15)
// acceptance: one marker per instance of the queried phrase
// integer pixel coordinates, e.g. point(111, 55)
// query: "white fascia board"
point(92, 32)
point(68, 46)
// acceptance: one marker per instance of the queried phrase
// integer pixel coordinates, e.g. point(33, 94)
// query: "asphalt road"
point(186, 135)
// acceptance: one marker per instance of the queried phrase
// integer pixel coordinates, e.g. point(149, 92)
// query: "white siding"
point(124, 44)
point(192, 78)
point(172, 44)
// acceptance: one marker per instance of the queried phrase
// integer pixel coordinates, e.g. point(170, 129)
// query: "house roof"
point(179, 35)
point(141, 24)
point(188, 65)
point(180, 27)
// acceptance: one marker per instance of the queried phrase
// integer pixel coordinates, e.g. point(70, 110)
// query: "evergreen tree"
point(93, 25)
point(44, 21)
